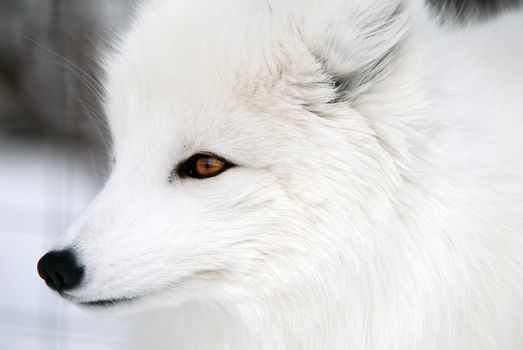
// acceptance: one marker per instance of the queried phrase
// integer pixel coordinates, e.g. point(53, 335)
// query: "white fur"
point(390, 219)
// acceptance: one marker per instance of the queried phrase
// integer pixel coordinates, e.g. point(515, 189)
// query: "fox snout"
point(60, 270)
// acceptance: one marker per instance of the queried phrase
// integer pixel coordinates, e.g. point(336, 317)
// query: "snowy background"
point(52, 158)
point(43, 186)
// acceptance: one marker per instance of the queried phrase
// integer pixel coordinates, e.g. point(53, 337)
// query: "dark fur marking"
point(467, 10)
point(346, 86)
point(350, 85)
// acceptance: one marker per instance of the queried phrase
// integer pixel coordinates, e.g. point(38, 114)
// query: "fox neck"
point(276, 324)
point(294, 323)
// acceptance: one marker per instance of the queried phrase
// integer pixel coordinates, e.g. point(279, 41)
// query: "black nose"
point(60, 270)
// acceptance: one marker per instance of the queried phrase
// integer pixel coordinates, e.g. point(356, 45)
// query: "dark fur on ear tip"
point(470, 10)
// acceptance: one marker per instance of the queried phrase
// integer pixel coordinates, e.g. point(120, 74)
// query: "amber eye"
point(202, 166)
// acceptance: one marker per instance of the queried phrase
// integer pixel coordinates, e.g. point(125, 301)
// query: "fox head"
point(250, 154)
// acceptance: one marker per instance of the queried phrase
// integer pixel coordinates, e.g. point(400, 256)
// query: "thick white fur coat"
point(377, 201)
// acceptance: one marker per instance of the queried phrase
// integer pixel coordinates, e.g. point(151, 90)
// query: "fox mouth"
point(107, 302)
point(100, 303)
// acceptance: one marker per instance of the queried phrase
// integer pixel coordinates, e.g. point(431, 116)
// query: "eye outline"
point(186, 168)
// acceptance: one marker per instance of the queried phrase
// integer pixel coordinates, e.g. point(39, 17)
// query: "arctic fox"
point(334, 174)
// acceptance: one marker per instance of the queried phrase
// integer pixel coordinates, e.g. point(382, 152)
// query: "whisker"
point(87, 79)
point(98, 119)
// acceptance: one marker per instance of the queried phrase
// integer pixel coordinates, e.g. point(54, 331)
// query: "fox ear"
point(346, 36)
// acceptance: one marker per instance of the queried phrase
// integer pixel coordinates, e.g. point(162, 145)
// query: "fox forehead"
point(161, 80)
point(166, 89)
point(190, 112)
point(196, 53)
point(160, 59)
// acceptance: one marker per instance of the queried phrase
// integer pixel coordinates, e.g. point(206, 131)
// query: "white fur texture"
point(378, 197)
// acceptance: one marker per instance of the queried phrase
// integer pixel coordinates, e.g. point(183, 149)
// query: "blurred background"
point(52, 157)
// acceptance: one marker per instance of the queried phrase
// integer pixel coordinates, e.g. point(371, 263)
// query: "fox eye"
point(202, 166)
